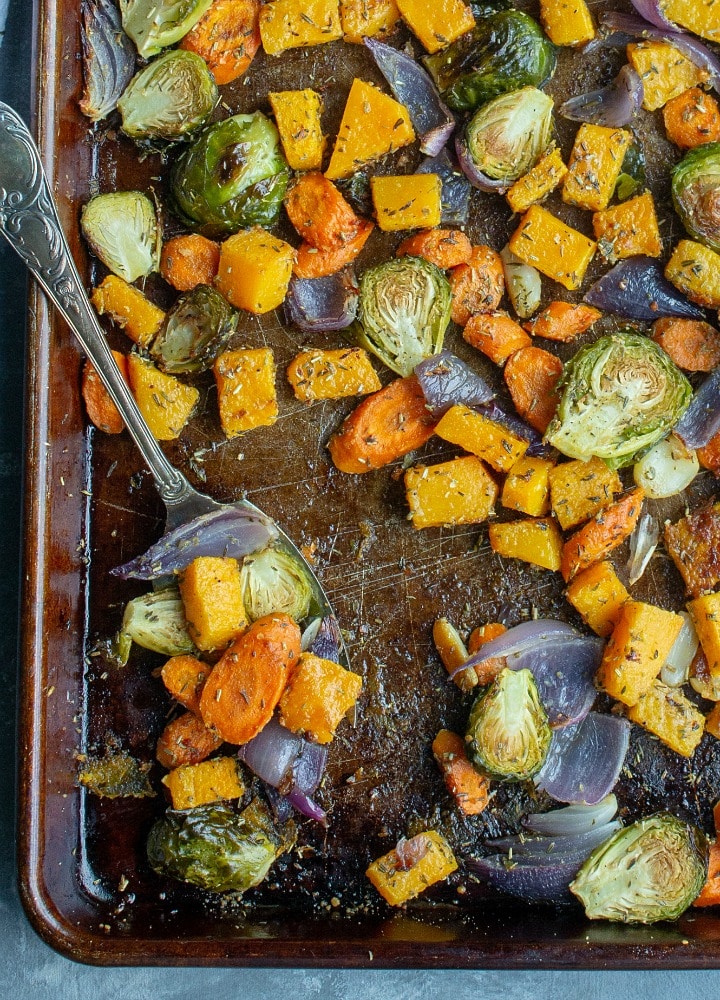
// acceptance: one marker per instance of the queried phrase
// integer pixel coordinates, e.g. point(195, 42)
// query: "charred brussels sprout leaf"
point(171, 97)
point(155, 24)
point(404, 312)
point(122, 230)
point(506, 51)
point(275, 581)
point(233, 176)
point(194, 332)
point(509, 134)
point(508, 734)
point(155, 621)
point(216, 848)
point(696, 193)
point(619, 396)
point(649, 871)
point(632, 179)
point(108, 58)
point(115, 776)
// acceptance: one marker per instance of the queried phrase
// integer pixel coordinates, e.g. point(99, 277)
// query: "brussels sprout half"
point(155, 24)
point(404, 311)
point(122, 230)
point(509, 134)
point(620, 395)
point(649, 871)
point(275, 581)
point(194, 332)
point(155, 621)
point(696, 193)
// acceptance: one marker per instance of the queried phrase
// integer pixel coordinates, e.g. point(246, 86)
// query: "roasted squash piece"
point(527, 487)
point(453, 653)
point(699, 16)
point(188, 261)
point(213, 600)
point(664, 70)
point(210, 781)
point(556, 250)
point(598, 594)
point(297, 115)
point(184, 677)
point(595, 164)
point(437, 23)
point(332, 374)
point(317, 697)
point(578, 490)
point(695, 270)
point(483, 437)
point(567, 22)
point(291, 24)
point(533, 540)
point(537, 184)
point(705, 614)
point(246, 389)
point(406, 201)
point(411, 867)
point(629, 229)
point(667, 713)
point(694, 544)
point(368, 18)
point(128, 307)
point(255, 270)
point(372, 125)
point(165, 403)
point(460, 491)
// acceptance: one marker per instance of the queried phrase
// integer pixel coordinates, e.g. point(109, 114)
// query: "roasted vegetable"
point(555, 249)
point(116, 775)
point(595, 164)
point(227, 37)
point(694, 269)
point(246, 390)
point(165, 402)
point(407, 201)
point(568, 22)
point(232, 176)
point(254, 270)
point(154, 621)
point(411, 867)
point(108, 58)
point(437, 24)
point(287, 24)
point(693, 543)
point(664, 70)
point(649, 871)
point(533, 540)
point(155, 24)
point(211, 593)
point(318, 696)
point(195, 785)
point(460, 491)
point(488, 439)
point(692, 119)
point(122, 230)
point(619, 396)
point(194, 332)
point(216, 848)
point(126, 305)
point(188, 261)
point(274, 580)
point(171, 97)
point(696, 193)
point(372, 125)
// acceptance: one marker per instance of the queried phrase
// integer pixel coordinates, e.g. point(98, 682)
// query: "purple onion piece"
point(414, 88)
point(541, 849)
point(584, 760)
point(309, 767)
point(637, 289)
point(564, 671)
point(328, 641)
point(536, 883)
point(536, 446)
point(701, 421)
point(572, 819)
point(108, 58)
point(652, 12)
point(520, 639)
point(471, 170)
point(305, 805)
point(273, 754)
point(232, 531)
point(320, 305)
point(281, 805)
point(446, 381)
point(612, 106)
point(456, 190)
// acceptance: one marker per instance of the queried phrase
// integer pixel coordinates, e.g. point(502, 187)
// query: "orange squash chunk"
point(212, 597)
point(317, 697)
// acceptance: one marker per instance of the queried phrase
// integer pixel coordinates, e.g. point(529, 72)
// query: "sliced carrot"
point(313, 263)
point(710, 894)
point(186, 740)
point(187, 261)
point(496, 335)
point(184, 677)
point(691, 343)
point(562, 321)
point(320, 214)
point(227, 37)
point(488, 670)
point(443, 247)
point(101, 410)
point(477, 286)
point(597, 539)
point(531, 376)
point(468, 787)
point(383, 428)
point(709, 455)
point(692, 119)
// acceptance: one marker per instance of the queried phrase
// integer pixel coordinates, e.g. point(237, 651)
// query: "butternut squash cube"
point(537, 184)
point(129, 308)
point(598, 594)
point(246, 390)
point(705, 614)
point(636, 650)
point(667, 713)
point(212, 598)
point(317, 697)
point(629, 229)
point(556, 250)
point(595, 164)
point(408, 201)
point(297, 115)
point(165, 403)
point(197, 784)
point(664, 70)
point(460, 491)
point(695, 270)
point(481, 436)
point(412, 867)
point(372, 125)
point(255, 270)
point(536, 541)
point(368, 18)
point(700, 16)
point(437, 23)
point(578, 490)
point(567, 22)
point(693, 543)
point(332, 374)
point(290, 24)
point(527, 487)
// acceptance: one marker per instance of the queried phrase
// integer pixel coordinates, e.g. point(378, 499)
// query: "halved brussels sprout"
point(155, 621)
point(508, 735)
point(404, 311)
point(275, 581)
point(649, 871)
point(696, 193)
point(509, 134)
point(194, 332)
point(155, 24)
point(173, 95)
point(122, 230)
point(115, 776)
point(233, 176)
point(620, 395)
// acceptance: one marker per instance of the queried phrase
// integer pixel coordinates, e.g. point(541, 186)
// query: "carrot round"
point(477, 286)
point(101, 410)
point(488, 670)
point(709, 455)
point(597, 539)
point(313, 263)
point(442, 247)
point(227, 37)
point(184, 677)
point(186, 740)
point(691, 343)
point(320, 214)
point(562, 321)
point(692, 119)
point(245, 685)
point(710, 894)
point(187, 261)
point(531, 376)
point(468, 787)
point(496, 335)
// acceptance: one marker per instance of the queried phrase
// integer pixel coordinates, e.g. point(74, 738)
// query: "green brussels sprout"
point(170, 97)
point(115, 776)
point(696, 193)
point(633, 178)
point(404, 311)
point(155, 621)
point(233, 176)
point(216, 848)
point(275, 581)
point(509, 134)
point(507, 50)
point(649, 871)
point(508, 735)
point(122, 230)
point(155, 24)
point(620, 395)
point(194, 332)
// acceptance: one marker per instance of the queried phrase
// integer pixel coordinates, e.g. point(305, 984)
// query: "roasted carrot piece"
point(313, 263)
point(187, 261)
point(184, 677)
point(186, 740)
point(477, 286)
point(227, 37)
point(468, 787)
point(101, 410)
point(451, 650)
point(496, 335)
point(709, 456)
point(486, 672)
point(320, 214)
point(710, 894)
point(384, 427)
point(692, 119)
point(597, 539)
point(444, 247)
point(562, 321)
point(531, 376)
point(691, 343)
point(245, 685)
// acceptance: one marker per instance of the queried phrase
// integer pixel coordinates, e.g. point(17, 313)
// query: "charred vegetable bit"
point(195, 331)
point(115, 775)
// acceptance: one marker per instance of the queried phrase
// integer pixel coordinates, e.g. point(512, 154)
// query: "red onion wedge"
point(537, 448)
point(584, 761)
point(572, 819)
point(524, 879)
point(446, 380)
point(319, 305)
point(612, 106)
point(307, 806)
point(564, 670)
point(637, 289)
point(227, 532)
point(701, 421)
point(322, 637)
point(568, 847)
point(520, 639)
point(456, 189)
